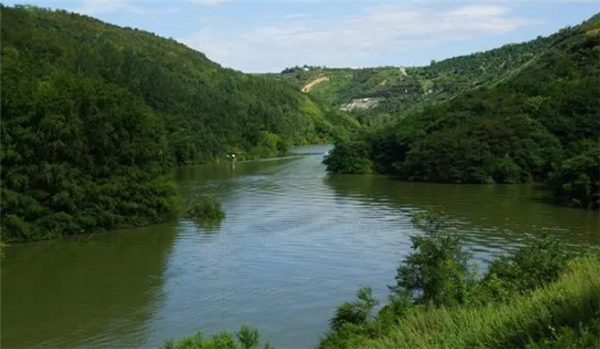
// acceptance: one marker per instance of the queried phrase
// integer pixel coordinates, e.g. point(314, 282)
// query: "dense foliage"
point(403, 90)
point(205, 208)
point(535, 297)
point(94, 117)
point(539, 123)
point(438, 272)
point(246, 338)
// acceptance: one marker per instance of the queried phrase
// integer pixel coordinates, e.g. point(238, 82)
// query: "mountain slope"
point(539, 123)
point(94, 116)
point(399, 91)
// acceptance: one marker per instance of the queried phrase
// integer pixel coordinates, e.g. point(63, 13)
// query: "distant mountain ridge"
point(402, 90)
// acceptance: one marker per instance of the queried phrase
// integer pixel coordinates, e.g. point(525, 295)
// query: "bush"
point(351, 320)
point(577, 181)
point(205, 208)
point(357, 312)
point(349, 158)
point(438, 270)
point(538, 263)
point(438, 301)
point(567, 302)
point(247, 338)
point(581, 336)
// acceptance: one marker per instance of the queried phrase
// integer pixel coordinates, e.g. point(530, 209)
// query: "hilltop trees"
point(95, 116)
point(538, 124)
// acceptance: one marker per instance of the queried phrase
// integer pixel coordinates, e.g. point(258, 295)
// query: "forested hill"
point(94, 116)
point(395, 92)
point(540, 123)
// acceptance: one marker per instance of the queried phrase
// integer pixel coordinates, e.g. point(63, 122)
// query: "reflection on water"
point(484, 212)
point(91, 291)
point(294, 245)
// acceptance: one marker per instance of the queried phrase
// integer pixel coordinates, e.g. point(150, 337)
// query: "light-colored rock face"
point(312, 84)
point(361, 104)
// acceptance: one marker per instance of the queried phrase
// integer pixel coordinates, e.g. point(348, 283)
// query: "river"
point(295, 244)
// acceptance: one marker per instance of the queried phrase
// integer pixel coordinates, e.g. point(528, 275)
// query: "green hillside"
point(400, 91)
point(95, 116)
point(539, 123)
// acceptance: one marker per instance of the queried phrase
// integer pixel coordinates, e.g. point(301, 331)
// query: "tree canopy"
point(94, 116)
point(538, 123)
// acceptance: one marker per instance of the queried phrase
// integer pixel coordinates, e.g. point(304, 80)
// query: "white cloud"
point(351, 41)
point(208, 2)
point(479, 10)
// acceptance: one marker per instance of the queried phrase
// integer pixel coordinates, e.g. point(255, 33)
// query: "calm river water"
point(295, 244)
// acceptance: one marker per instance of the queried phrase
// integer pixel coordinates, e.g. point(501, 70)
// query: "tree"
point(437, 271)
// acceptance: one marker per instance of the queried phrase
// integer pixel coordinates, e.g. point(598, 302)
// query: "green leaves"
point(440, 301)
point(349, 157)
point(438, 270)
point(205, 208)
point(247, 338)
point(577, 181)
point(95, 116)
point(519, 129)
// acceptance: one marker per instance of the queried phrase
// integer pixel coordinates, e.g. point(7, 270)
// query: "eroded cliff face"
point(312, 84)
point(361, 104)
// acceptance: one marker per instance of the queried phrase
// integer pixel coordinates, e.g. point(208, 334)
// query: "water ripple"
point(295, 244)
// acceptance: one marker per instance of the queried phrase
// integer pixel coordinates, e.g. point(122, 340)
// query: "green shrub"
point(577, 181)
point(205, 208)
point(349, 158)
point(438, 270)
point(438, 301)
point(539, 262)
point(565, 303)
point(357, 312)
point(247, 338)
point(581, 336)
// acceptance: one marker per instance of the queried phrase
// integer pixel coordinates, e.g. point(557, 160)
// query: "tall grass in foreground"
point(439, 301)
point(537, 297)
point(571, 301)
point(246, 338)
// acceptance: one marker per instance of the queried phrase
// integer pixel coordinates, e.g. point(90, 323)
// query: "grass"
point(583, 336)
point(205, 208)
point(246, 338)
point(537, 297)
point(526, 321)
point(563, 314)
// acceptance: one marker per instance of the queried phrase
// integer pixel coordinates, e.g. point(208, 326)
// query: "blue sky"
point(267, 36)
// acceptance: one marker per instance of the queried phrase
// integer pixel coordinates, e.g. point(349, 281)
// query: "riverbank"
point(561, 315)
point(170, 207)
point(263, 264)
point(539, 296)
